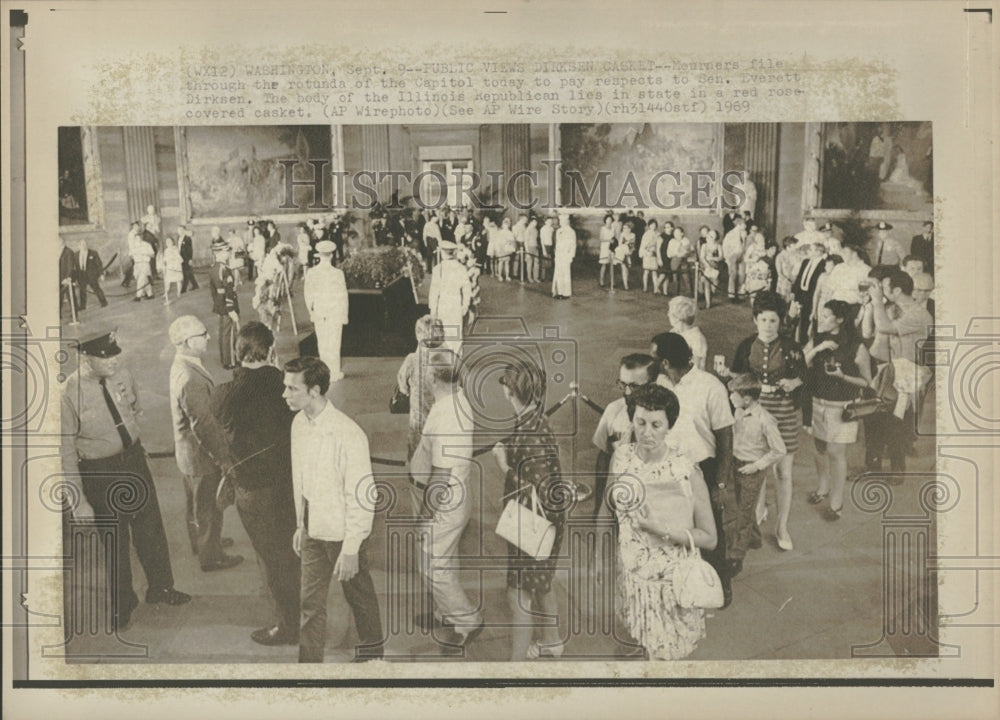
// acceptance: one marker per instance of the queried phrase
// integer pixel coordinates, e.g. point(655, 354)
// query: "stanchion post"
point(520, 252)
point(288, 297)
point(72, 304)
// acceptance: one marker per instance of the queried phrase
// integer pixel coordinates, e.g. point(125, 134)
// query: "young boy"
point(757, 445)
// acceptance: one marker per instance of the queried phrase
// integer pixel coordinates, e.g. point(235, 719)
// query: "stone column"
point(516, 155)
point(762, 166)
point(142, 188)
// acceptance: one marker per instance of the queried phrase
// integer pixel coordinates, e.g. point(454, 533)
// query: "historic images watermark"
point(664, 190)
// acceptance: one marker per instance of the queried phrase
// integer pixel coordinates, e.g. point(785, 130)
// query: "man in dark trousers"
point(225, 302)
point(200, 446)
point(804, 288)
point(258, 421)
point(103, 459)
point(923, 246)
point(68, 263)
point(187, 254)
point(89, 272)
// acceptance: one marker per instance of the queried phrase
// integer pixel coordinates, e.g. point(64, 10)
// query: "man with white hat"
point(326, 298)
point(887, 249)
point(565, 251)
point(450, 295)
point(225, 302)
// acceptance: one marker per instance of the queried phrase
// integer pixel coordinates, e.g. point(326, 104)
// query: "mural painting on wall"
point(878, 166)
point(72, 178)
point(236, 171)
point(641, 150)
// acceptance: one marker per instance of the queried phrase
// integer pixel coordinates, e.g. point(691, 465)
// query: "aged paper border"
point(946, 80)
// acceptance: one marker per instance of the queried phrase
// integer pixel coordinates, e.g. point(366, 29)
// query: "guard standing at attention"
point(325, 292)
point(225, 302)
point(104, 462)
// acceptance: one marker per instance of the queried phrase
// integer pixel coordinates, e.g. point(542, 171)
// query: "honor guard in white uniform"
point(565, 251)
point(326, 298)
point(450, 295)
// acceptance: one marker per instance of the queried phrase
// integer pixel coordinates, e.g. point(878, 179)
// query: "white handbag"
point(527, 528)
point(696, 584)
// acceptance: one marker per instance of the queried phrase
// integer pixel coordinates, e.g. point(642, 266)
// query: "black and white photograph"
point(477, 349)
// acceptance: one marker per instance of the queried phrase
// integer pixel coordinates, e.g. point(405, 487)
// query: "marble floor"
point(823, 600)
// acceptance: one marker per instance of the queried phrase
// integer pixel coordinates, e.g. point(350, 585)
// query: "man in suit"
point(804, 287)
point(225, 302)
point(200, 444)
point(89, 272)
point(67, 278)
point(187, 254)
point(923, 246)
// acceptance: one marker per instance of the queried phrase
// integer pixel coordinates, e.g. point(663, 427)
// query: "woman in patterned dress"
point(660, 498)
point(778, 361)
point(530, 459)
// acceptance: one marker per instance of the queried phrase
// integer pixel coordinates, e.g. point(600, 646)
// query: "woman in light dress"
point(173, 269)
point(660, 500)
point(649, 251)
point(710, 255)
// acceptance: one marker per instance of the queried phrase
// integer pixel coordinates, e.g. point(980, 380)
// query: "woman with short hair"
point(662, 504)
point(529, 460)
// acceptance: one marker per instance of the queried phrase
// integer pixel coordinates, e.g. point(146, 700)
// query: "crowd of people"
point(701, 444)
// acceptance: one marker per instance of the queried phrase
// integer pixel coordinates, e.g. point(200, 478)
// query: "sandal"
point(815, 498)
point(831, 514)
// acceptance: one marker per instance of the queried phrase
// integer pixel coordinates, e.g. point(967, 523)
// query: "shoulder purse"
point(527, 528)
point(696, 584)
point(399, 403)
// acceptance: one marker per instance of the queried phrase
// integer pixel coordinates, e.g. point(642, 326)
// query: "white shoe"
point(785, 543)
point(335, 378)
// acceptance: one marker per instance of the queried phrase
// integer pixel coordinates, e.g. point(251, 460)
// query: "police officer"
point(103, 459)
point(225, 302)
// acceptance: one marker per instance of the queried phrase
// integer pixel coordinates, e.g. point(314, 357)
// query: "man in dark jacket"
point(89, 272)
point(187, 254)
point(68, 262)
point(258, 422)
point(225, 302)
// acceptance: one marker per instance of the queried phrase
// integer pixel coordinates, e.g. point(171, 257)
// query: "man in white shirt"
point(615, 425)
point(704, 431)
point(440, 468)
point(326, 297)
point(331, 480)
point(844, 281)
point(886, 250)
point(733, 246)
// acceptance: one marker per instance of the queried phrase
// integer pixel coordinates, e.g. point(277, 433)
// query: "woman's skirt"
point(828, 424)
point(781, 407)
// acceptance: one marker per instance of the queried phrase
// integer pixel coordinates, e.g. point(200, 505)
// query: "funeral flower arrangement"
point(377, 267)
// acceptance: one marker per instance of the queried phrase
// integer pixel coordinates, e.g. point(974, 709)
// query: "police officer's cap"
point(219, 244)
point(326, 246)
point(100, 345)
point(884, 226)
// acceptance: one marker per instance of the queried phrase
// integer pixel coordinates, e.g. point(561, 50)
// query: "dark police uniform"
point(224, 301)
point(101, 446)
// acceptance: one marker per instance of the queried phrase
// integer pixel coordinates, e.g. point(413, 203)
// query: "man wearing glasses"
point(200, 444)
point(615, 425)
